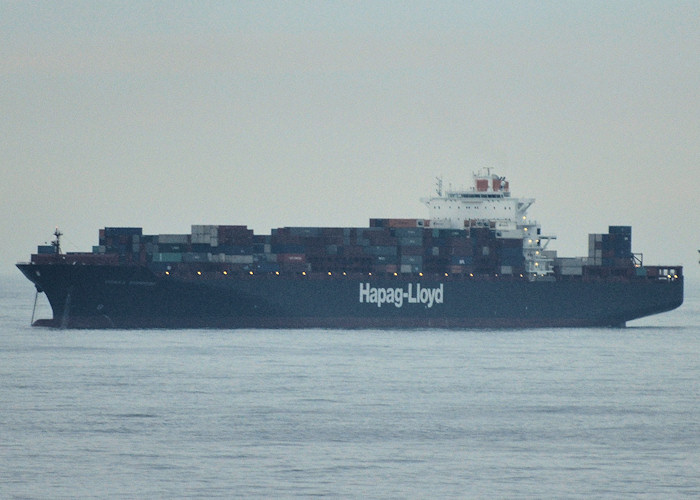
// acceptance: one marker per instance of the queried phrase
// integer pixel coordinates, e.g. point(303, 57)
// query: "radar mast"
point(57, 242)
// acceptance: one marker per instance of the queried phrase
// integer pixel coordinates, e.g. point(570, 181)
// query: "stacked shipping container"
point(386, 246)
point(612, 249)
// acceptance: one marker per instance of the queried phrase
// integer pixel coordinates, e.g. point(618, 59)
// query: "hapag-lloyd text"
point(413, 294)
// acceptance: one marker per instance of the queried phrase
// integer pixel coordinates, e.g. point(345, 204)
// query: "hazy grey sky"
point(167, 114)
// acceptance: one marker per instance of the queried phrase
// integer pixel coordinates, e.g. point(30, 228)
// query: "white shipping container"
point(515, 234)
point(205, 239)
point(201, 239)
point(205, 229)
point(505, 225)
point(173, 239)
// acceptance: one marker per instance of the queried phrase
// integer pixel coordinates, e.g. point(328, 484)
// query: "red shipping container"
point(405, 223)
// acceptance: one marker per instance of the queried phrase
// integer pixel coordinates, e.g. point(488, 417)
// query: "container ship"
point(477, 261)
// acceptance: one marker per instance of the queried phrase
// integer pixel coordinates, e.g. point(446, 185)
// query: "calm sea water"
point(567, 413)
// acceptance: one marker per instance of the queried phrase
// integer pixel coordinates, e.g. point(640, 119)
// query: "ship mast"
point(57, 242)
point(438, 186)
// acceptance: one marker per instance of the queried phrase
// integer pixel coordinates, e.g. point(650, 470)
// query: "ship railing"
point(628, 273)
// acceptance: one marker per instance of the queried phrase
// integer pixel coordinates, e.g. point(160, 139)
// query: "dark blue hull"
point(109, 296)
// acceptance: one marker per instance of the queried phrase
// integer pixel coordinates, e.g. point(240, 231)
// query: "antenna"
point(57, 242)
point(438, 185)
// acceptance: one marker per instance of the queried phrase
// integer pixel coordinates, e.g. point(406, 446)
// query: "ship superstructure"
point(488, 203)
